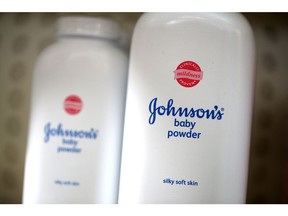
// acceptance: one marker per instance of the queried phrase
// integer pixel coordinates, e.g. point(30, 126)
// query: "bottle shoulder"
point(63, 49)
point(218, 20)
point(171, 26)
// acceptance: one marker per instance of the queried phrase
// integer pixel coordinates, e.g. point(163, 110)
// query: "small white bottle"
point(188, 109)
point(76, 120)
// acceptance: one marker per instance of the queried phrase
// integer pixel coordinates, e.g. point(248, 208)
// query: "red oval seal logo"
point(73, 104)
point(188, 74)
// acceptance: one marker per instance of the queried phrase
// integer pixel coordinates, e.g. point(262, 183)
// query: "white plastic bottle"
point(76, 120)
point(189, 107)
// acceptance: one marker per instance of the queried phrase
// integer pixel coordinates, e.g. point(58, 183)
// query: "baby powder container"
point(188, 110)
point(77, 111)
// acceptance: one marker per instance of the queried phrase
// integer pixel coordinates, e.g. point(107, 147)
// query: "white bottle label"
point(69, 139)
point(185, 119)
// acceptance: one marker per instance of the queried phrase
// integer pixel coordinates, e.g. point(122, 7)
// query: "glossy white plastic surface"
point(201, 155)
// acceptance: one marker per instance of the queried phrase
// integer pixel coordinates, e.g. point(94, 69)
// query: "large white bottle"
point(76, 120)
point(188, 112)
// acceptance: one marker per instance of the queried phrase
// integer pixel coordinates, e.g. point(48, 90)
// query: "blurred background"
point(24, 35)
